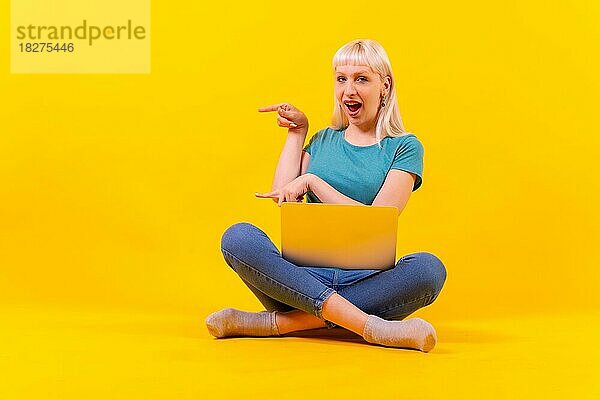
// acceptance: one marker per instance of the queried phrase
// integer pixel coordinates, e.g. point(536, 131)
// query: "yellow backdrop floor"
point(89, 354)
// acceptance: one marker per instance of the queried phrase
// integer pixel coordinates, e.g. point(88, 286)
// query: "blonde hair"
point(370, 53)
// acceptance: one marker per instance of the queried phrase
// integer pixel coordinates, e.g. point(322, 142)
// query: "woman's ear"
point(387, 83)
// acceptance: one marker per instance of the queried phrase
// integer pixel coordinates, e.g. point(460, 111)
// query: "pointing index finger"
point(270, 108)
point(268, 194)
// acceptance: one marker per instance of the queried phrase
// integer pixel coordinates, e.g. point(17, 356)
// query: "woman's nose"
point(350, 89)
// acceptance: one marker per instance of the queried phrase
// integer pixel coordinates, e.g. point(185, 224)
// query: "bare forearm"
point(288, 167)
point(327, 193)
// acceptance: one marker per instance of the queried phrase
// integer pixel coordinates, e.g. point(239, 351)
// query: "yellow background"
point(115, 189)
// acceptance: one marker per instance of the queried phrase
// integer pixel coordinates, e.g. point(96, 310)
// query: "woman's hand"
point(289, 117)
point(292, 192)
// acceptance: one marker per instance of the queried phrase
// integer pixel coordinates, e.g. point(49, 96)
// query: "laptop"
point(339, 235)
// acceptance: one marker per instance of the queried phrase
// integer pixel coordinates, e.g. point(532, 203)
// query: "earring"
point(382, 104)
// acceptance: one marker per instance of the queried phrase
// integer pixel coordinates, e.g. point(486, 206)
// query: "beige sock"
point(232, 322)
point(414, 333)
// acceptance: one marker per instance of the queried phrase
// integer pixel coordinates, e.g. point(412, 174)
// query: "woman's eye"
point(340, 78)
point(362, 77)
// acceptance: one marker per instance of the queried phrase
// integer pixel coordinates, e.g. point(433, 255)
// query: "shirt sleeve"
point(312, 143)
point(409, 157)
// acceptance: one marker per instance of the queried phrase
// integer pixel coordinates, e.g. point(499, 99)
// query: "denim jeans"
point(414, 282)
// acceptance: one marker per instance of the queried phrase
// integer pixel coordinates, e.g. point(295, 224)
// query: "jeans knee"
point(434, 270)
point(235, 236)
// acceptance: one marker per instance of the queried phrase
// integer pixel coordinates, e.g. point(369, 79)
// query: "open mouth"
point(353, 107)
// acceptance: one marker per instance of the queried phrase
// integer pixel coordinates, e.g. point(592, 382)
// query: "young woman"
point(365, 157)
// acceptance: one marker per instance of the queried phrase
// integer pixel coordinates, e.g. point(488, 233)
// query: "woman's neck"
point(361, 135)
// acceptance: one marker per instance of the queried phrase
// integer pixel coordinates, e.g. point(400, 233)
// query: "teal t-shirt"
point(359, 171)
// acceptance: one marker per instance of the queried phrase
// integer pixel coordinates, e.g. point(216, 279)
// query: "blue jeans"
point(414, 282)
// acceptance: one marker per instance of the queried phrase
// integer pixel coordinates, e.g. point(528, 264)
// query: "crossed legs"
point(297, 300)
